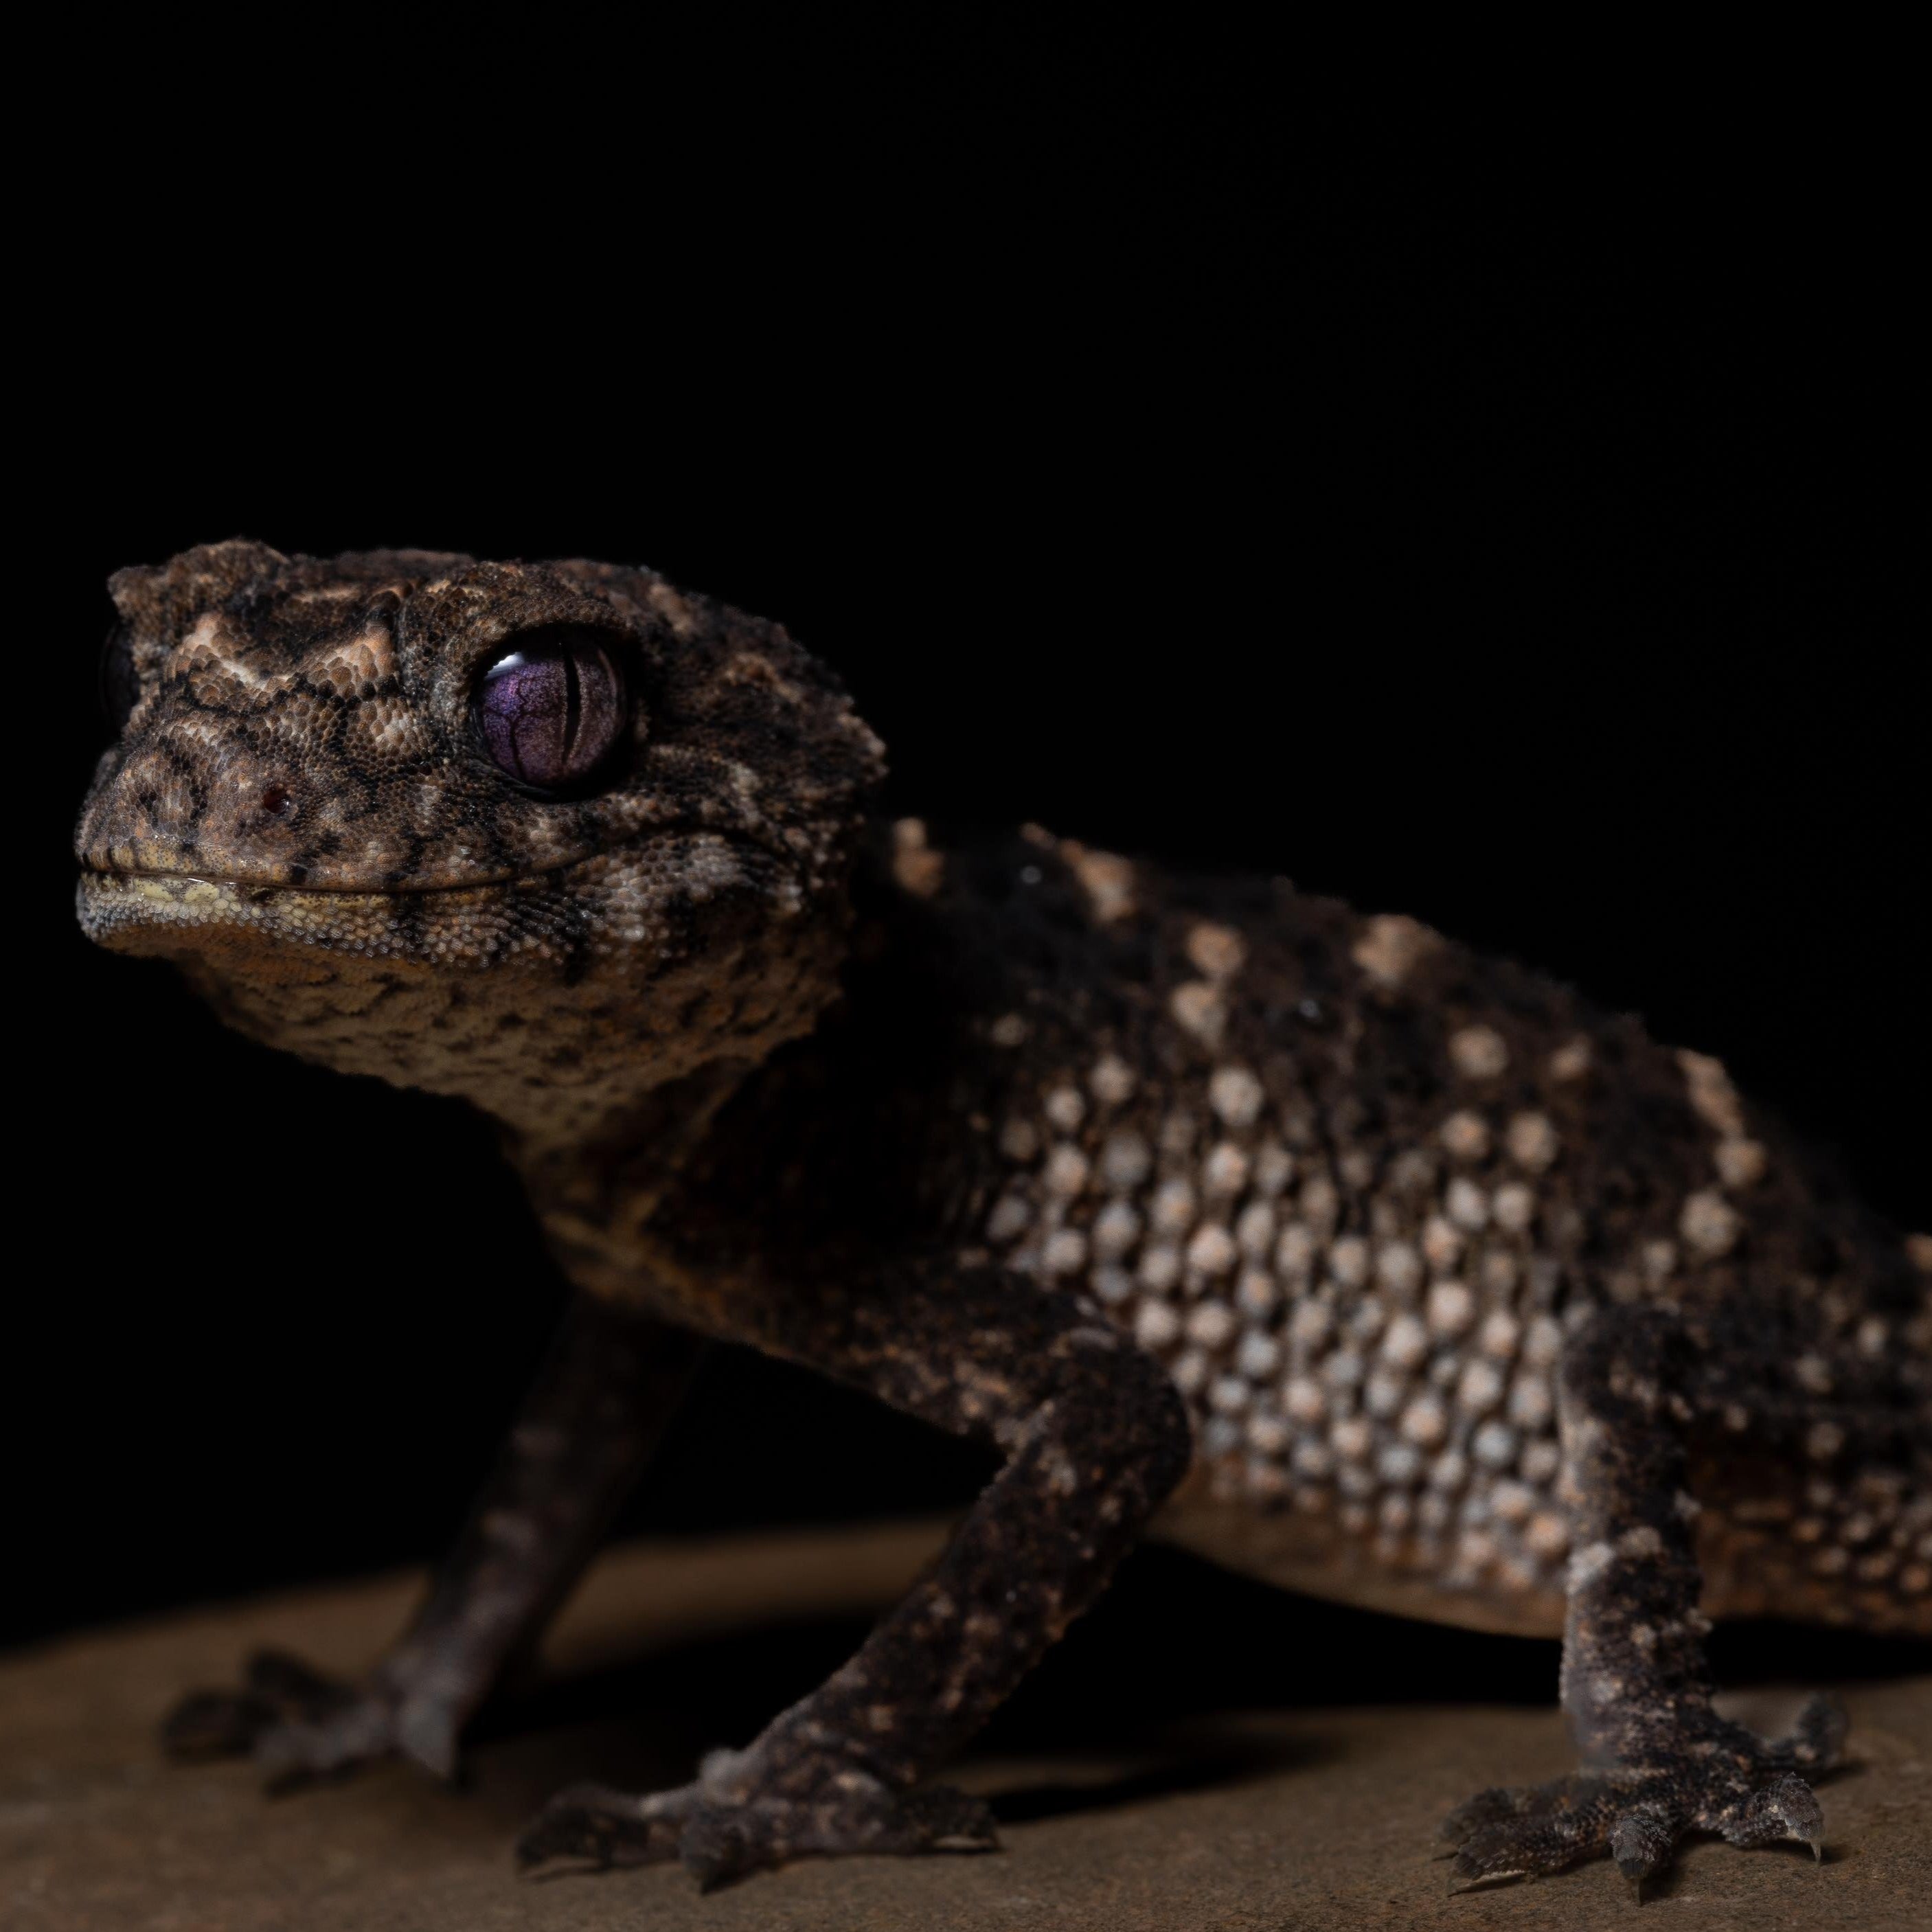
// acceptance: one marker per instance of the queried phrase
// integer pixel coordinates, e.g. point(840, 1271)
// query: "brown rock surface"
point(1236, 1823)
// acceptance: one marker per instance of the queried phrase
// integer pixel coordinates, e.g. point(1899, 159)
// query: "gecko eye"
point(549, 712)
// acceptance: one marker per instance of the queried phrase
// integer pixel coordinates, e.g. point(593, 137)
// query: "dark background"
point(1499, 520)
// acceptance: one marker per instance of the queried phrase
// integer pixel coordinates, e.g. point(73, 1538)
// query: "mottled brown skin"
point(1314, 1228)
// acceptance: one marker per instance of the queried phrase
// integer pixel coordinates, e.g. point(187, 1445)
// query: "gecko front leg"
point(1095, 1436)
point(1659, 1760)
point(611, 1384)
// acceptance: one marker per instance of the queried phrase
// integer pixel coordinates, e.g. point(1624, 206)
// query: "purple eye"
point(550, 712)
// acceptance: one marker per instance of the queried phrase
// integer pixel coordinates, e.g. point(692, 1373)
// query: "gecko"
point(1309, 1240)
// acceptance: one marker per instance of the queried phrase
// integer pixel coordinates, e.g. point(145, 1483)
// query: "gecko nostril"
point(276, 801)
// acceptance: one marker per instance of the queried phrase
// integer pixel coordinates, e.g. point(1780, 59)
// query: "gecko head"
point(398, 766)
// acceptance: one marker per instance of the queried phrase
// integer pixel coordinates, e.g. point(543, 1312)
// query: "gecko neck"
point(597, 1196)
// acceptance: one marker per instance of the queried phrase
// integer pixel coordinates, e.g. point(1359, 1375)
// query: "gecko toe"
point(301, 1727)
point(607, 1827)
point(1501, 1804)
point(216, 1723)
point(1816, 1742)
point(1641, 1840)
point(1535, 1840)
point(276, 1690)
point(1786, 1808)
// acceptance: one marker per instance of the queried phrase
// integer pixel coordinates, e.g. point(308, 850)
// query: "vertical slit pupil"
point(573, 704)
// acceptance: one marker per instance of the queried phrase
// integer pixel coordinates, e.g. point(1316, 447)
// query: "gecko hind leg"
point(1659, 1761)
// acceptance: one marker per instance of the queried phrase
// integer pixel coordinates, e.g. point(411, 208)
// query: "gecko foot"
point(720, 1836)
point(1719, 1778)
point(300, 1726)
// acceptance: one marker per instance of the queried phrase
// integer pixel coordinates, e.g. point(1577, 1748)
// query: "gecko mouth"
point(143, 878)
point(627, 895)
point(178, 913)
point(179, 884)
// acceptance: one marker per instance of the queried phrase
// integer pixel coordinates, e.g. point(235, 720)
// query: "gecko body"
point(1312, 1239)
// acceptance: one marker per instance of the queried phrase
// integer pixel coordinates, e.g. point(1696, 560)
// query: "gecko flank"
point(1308, 1239)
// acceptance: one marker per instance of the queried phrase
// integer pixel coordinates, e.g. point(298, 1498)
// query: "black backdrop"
point(1449, 525)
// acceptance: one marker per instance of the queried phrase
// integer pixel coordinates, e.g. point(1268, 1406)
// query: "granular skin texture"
point(1310, 1239)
